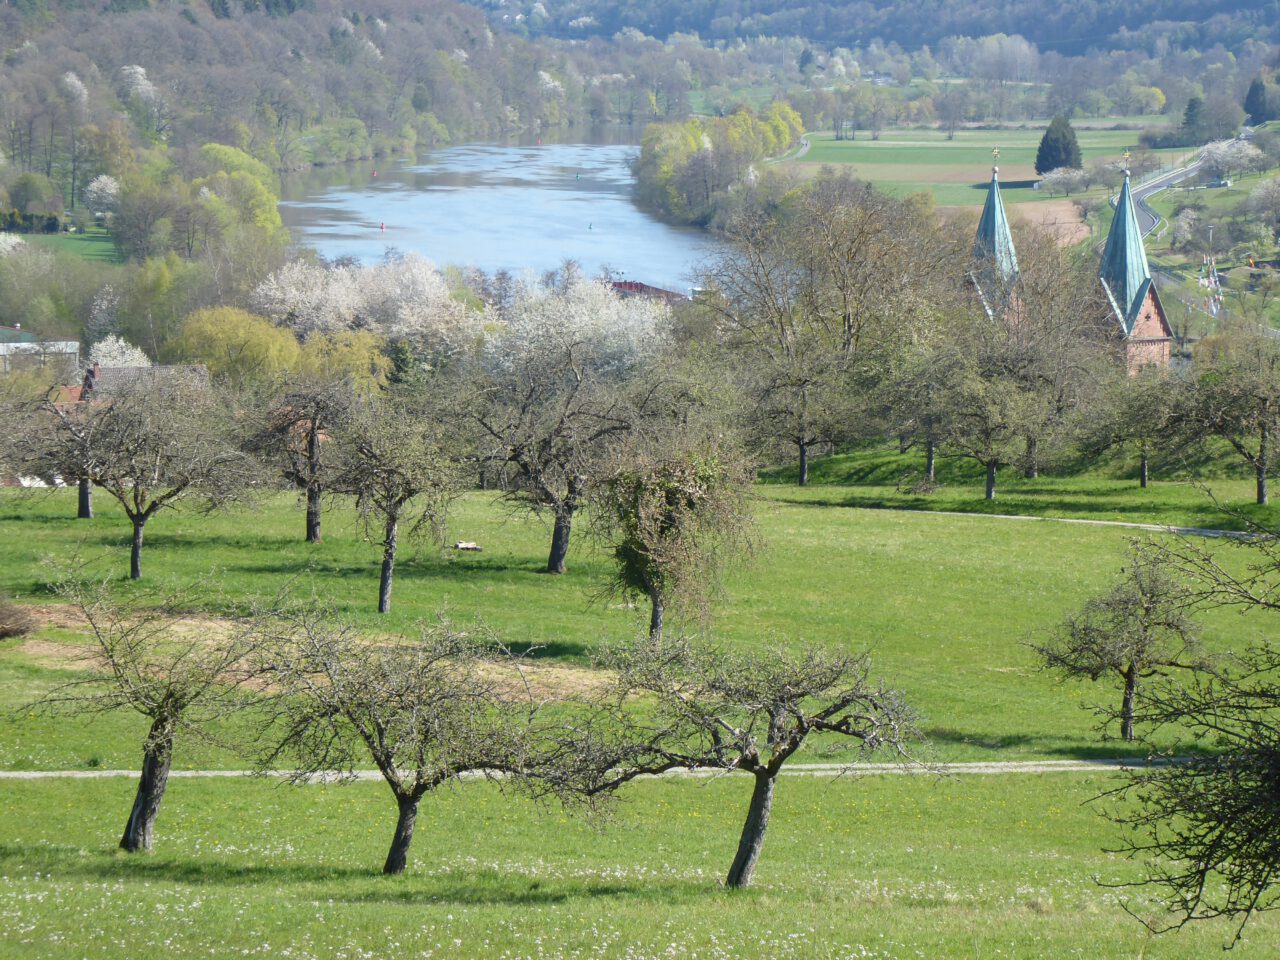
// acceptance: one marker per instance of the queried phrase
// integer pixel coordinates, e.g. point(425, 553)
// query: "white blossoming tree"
point(102, 194)
point(556, 389)
point(113, 351)
point(309, 298)
point(405, 298)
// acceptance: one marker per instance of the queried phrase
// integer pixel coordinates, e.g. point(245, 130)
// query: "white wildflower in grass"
point(10, 243)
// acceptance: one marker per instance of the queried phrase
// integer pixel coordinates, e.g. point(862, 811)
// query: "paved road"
point(982, 768)
point(1148, 219)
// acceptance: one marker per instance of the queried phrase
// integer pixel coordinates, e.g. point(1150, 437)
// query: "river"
point(497, 207)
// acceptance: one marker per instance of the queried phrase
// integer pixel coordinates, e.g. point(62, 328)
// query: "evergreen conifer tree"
point(1262, 102)
point(1058, 148)
point(1255, 101)
point(1193, 121)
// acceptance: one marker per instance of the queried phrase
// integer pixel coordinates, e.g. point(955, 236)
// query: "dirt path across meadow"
point(832, 770)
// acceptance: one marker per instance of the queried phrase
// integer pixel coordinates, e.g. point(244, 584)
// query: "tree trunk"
point(930, 459)
point(655, 616)
point(991, 481)
point(804, 462)
point(1126, 708)
point(388, 566)
point(135, 555)
point(398, 855)
point(1031, 460)
point(313, 514)
point(1144, 470)
point(86, 500)
point(560, 540)
point(313, 484)
point(156, 757)
point(1260, 467)
point(752, 840)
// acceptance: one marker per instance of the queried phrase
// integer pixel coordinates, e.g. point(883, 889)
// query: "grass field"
point(946, 603)
point(893, 867)
point(956, 172)
point(93, 244)
point(890, 867)
point(877, 478)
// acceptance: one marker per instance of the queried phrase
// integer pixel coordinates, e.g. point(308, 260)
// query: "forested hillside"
point(1068, 28)
point(322, 83)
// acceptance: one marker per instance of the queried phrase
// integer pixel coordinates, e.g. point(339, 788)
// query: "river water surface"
point(497, 207)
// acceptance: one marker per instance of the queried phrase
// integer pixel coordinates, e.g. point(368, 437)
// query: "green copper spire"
point(995, 268)
point(1125, 275)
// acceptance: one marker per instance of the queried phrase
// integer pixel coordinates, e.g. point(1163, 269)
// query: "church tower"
point(1126, 280)
point(995, 262)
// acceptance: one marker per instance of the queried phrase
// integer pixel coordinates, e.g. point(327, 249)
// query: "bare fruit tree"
point(1236, 396)
point(392, 460)
point(147, 659)
point(426, 710)
point(1139, 629)
point(162, 439)
point(687, 706)
point(1206, 822)
point(296, 432)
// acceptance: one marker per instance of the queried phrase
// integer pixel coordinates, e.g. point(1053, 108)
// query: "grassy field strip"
point(792, 770)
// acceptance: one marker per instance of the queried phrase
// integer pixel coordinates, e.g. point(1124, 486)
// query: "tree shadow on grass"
point(1039, 746)
point(495, 889)
point(104, 864)
point(368, 566)
point(552, 649)
point(358, 884)
point(1025, 505)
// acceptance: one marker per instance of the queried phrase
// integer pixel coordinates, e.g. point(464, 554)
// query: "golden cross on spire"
point(1127, 155)
point(995, 159)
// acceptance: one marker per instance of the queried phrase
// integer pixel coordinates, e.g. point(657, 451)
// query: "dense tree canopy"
point(1072, 28)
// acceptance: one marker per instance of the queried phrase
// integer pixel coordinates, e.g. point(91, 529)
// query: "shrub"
point(14, 621)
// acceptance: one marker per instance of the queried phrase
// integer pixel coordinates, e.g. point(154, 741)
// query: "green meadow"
point(914, 160)
point(888, 867)
point(94, 244)
point(945, 603)
point(1003, 865)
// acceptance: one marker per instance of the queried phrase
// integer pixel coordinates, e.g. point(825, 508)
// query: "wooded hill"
point(319, 83)
point(1065, 28)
